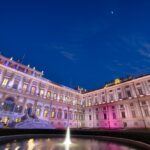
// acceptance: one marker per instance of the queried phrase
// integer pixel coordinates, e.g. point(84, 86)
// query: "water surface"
point(56, 144)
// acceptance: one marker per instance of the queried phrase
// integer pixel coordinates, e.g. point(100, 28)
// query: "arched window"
point(53, 113)
point(9, 104)
point(59, 114)
point(38, 110)
point(45, 113)
point(65, 114)
point(70, 115)
point(48, 95)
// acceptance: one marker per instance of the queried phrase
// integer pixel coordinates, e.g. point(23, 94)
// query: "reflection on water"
point(55, 144)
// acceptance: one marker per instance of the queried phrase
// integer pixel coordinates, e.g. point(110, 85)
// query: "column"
point(42, 112)
point(20, 84)
point(29, 88)
point(45, 92)
point(115, 95)
point(133, 92)
point(37, 88)
point(24, 106)
point(147, 92)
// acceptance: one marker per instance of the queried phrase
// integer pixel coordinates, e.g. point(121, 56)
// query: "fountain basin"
point(55, 142)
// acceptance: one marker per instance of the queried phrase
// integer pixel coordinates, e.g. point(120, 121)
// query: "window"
point(111, 97)
point(70, 115)
point(96, 116)
point(55, 96)
point(75, 116)
point(114, 115)
point(5, 82)
point(59, 114)
point(128, 93)
point(61, 98)
point(90, 118)
point(143, 103)
point(15, 85)
point(133, 114)
point(53, 113)
point(33, 90)
point(96, 101)
point(140, 91)
point(105, 116)
point(119, 95)
point(125, 124)
point(96, 109)
point(41, 92)
point(123, 114)
point(121, 106)
point(131, 104)
point(38, 111)
point(113, 107)
point(24, 88)
point(48, 95)
point(45, 113)
point(146, 112)
point(65, 114)
point(103, 98)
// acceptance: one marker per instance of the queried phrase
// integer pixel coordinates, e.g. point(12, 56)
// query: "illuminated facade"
point(24, 92)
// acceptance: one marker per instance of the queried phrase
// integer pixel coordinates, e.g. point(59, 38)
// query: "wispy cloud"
point(68, 55)
point(145, 50)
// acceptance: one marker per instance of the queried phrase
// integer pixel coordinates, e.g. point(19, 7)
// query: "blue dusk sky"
point(85, 43)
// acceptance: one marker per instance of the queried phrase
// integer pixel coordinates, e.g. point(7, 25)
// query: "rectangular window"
point(55, 96)
point(5, 82)
point(48, 95)
point(131, 104)
point(103, 98)
point(24, 88)
point(105, 116)
point(140, 91)
point(15, 85)
point(119, 95)
point(146, 112)
point(113, 107)
point(104, 108)
point(143, 103)
point(121, 106)
point(41, 92)
point(61, 98)
point(128, 93)
point(111, 97)
point(90, 118)
point(133, 114)
point(96, 116)
point(114, 115)
point(33, 90)
point(123, 114)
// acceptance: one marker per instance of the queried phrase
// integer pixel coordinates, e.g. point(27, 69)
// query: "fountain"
point(67, 138)
point(67, 141)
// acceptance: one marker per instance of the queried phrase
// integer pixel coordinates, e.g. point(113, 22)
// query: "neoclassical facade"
point(24, 91)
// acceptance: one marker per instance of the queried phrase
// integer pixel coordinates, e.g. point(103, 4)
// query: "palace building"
point(25, 92)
